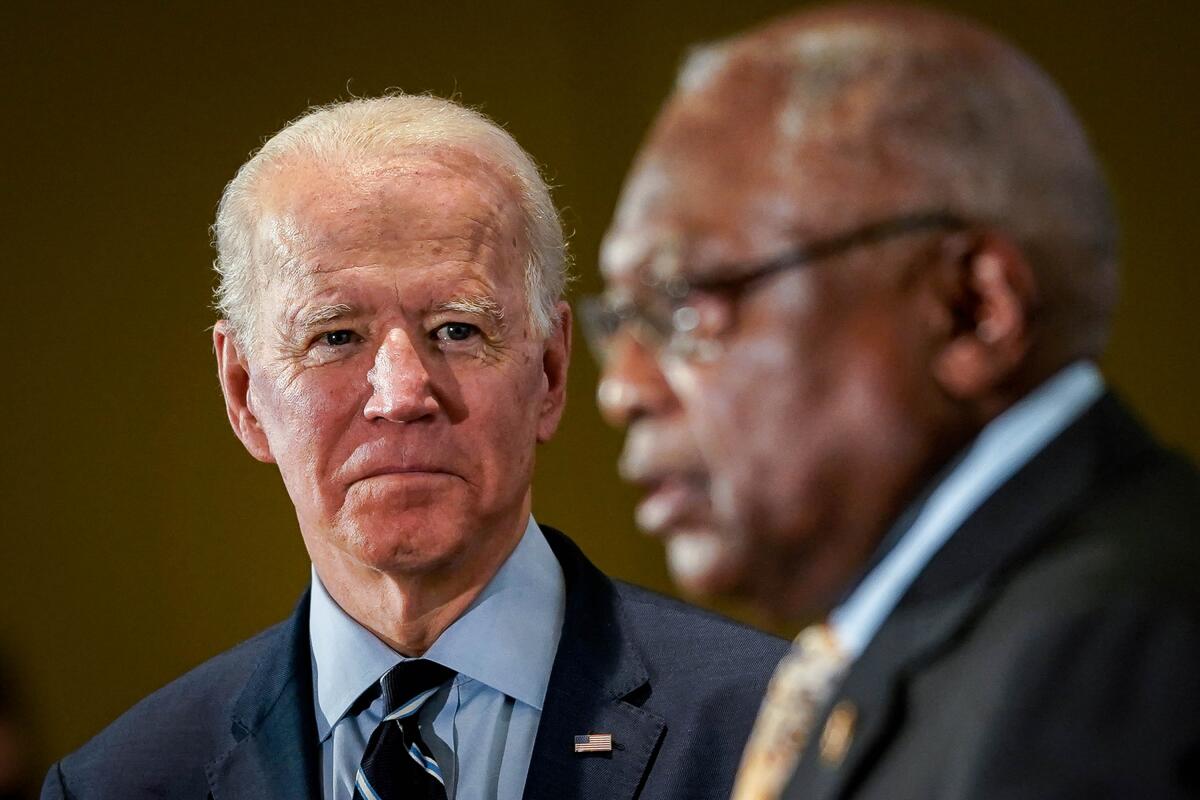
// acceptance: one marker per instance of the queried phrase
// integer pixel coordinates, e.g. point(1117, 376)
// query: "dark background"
point(137, 537)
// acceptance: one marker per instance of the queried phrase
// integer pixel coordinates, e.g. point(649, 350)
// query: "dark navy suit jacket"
point(1051, 649)
point(677, 687)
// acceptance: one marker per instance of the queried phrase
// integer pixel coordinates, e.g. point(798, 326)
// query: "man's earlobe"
point(234, 374)
point(991, 303)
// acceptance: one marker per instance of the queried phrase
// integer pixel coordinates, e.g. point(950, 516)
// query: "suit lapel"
point(272, 722)
point(956, 585)
point(595, 686)
point(874, 690)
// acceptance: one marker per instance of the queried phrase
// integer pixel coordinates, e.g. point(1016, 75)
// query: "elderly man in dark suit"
point(857, 284)
point(393, 339)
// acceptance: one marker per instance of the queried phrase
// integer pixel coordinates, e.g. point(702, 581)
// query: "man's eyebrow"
point(481, 305)
point(316, 316)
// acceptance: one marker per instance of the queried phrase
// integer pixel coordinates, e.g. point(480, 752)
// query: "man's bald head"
point(858, 112)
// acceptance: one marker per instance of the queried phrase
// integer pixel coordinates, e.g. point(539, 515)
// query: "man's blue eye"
point(338, 338)
point(455, 332)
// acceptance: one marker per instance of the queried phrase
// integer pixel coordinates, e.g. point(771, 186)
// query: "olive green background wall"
point(137, 537)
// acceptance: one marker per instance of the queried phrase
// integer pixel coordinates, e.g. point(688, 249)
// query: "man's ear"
point(234, 374)
point(988, 295)
point(556, 357)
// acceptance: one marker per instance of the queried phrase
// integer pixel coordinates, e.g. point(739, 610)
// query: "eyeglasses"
point(667, 320)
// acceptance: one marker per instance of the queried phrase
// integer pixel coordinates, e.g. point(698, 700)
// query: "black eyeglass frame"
point(602, 319)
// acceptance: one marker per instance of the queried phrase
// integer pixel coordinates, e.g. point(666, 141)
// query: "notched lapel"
point(557, 771)
point(874, 690)
point(596, 679)
point(274, 756)
point(268, 764)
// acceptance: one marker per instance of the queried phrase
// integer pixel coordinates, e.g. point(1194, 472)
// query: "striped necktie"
point(801, 686)
point(397, 764)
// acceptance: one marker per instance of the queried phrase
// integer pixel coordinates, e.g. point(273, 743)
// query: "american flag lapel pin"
point(594, 743)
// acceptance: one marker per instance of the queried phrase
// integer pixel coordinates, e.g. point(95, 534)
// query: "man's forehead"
point(414, 190)
point(687, 218)
point(316, 218)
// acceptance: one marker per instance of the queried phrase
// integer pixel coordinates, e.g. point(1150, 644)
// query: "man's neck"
point(409, 611)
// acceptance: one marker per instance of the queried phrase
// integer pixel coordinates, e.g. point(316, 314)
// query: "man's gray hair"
point(371, 129)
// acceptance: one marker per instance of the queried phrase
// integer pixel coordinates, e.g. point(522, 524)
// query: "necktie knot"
point(409, 684)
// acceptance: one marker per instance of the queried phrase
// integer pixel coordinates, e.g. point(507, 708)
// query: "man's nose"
point(632, 383)
point(401, 386)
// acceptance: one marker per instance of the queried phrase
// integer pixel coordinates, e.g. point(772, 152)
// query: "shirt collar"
point(506, 639)
point(1002, 448)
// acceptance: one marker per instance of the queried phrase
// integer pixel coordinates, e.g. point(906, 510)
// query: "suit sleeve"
point(1099, 704)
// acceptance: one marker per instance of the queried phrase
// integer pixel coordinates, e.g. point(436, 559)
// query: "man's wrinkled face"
point(761, 464)
point(398, 384)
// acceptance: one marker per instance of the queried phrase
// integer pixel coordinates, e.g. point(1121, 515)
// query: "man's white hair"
point(370, 130)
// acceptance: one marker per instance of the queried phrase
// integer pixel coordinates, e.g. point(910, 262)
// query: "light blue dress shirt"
point(481, 726)
point(1005, 445)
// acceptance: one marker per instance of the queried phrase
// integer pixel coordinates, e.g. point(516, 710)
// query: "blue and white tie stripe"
point(363, 787)
point(382, 774)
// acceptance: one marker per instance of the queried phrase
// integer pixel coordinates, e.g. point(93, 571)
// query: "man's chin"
point(701, 562)
point(412, 549)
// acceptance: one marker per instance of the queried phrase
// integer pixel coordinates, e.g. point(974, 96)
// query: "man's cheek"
point(714, 416)
point(310, 402)
point(719, 442)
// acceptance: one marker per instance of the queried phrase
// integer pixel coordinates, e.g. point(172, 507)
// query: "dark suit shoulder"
point(164, 741)
point(1152, 520)
point(1136, 539)
point(695, 638)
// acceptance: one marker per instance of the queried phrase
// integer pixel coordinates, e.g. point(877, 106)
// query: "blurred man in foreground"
point(857, 284)
point(394, 340)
